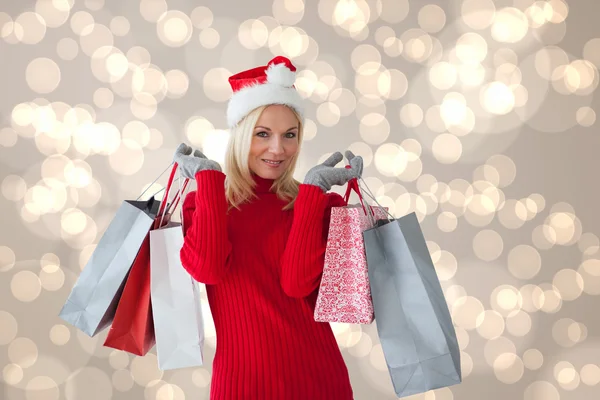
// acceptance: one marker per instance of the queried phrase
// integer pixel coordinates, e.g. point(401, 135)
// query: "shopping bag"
point(412, 317)
point(175, 298)
point(176, 308)
point(344, 293)
point(132, 329)
point(92, 302)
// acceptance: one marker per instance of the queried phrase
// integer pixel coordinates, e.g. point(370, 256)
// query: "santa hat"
point(269, 84)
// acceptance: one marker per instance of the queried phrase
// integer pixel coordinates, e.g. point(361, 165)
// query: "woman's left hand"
point(326, 175)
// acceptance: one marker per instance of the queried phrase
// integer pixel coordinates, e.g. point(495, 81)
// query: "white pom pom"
point(281, 75)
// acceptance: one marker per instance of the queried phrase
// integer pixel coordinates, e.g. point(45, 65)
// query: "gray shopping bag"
point(92, 303)
point(412, 317)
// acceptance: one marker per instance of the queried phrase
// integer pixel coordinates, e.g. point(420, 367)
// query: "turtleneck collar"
point(262, 185)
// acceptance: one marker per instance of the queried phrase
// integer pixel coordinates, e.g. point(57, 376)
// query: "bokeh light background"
point(479, 115)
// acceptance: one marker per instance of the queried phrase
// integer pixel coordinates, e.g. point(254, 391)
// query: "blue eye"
point(289, 135)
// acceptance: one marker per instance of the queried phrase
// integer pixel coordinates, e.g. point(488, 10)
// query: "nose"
point(276, 146)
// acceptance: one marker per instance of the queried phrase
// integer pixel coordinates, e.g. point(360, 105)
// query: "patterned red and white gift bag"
point(344, 294)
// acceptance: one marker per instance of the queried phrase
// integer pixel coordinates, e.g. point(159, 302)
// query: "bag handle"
point(164, 209)
point(153, 182)
point(151, 200)
point(179, 193)
point(182, 192)
point(372, 196)
point(353, 185)
point(378, 234)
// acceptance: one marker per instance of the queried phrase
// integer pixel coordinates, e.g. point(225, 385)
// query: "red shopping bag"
point(344, 293)
point(132, 329)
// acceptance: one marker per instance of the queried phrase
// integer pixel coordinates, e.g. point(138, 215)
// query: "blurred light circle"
point(43, 75)
point(174, 28)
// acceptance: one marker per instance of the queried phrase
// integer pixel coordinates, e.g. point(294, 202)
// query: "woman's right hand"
point(190, 165)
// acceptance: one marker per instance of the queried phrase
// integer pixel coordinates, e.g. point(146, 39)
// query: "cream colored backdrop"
point(479, 115)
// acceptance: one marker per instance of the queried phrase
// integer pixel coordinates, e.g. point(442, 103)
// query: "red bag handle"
point(163, 204)
point(176, 200)
point(353, 186)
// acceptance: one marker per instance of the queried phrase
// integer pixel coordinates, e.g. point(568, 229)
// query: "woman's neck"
point(263, 185)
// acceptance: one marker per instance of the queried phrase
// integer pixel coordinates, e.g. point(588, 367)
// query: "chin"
point(269, 174)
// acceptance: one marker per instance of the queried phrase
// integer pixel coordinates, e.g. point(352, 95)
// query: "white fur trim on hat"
point(249, 98)
point(281, 75)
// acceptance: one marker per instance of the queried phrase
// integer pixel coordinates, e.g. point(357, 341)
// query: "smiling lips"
point(273, 163)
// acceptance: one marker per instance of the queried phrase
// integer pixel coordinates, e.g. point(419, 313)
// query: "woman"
point(257, 240)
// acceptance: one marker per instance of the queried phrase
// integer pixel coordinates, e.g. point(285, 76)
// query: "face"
point(274, 142)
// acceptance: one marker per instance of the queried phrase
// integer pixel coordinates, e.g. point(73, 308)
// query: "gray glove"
point(189, 165)
point(325, 175)
point(350, 156)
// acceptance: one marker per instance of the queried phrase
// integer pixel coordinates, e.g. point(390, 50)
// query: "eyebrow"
point(267, 129)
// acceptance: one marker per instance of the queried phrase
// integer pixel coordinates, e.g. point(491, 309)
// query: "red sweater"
point(262, 268)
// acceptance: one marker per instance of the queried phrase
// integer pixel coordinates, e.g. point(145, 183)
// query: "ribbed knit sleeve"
point(206, 246)
point(304, 256)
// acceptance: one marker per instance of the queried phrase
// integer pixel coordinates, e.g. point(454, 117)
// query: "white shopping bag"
point(175, 296)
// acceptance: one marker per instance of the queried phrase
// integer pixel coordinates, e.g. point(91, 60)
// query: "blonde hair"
point(239, 185)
